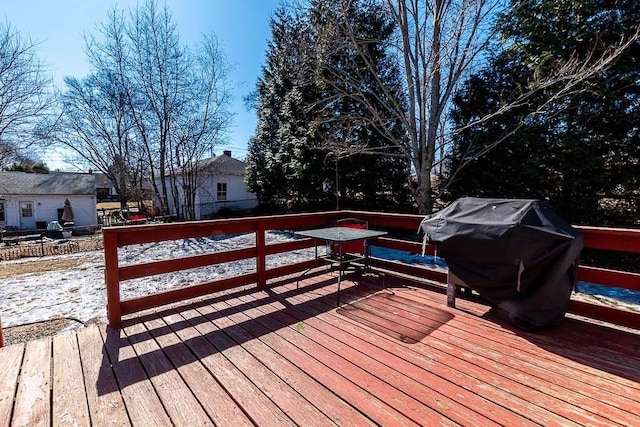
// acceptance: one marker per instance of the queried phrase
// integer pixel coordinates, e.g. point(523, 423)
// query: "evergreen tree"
point(349, 80)
point(280, 158)
point(579, 151)
point(29, 167)
point(301, 115)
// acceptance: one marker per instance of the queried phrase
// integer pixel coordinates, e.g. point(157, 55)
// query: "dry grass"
point(38, 266)
point(32, 331)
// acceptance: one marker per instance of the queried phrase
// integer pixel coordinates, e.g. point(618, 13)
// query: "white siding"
point(238, 196)
point(237, 190)
point(46, 209)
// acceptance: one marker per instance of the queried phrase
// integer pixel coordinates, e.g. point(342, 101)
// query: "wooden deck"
point(287, 356)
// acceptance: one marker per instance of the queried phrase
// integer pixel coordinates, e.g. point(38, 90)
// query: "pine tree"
point(579, 152)
point(350, 82)
point(301, 112)
point(280, 158)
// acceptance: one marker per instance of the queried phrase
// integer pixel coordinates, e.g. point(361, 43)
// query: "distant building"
point(28, 201)
point(105, 191)
point(220, 185)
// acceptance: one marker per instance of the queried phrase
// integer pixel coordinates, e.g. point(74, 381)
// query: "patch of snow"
point(77, 293)
point(80, 292)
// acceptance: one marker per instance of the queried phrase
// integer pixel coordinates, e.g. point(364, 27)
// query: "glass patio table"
point(339, 236)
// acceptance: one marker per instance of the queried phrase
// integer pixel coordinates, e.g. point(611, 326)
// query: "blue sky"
point(242, 28)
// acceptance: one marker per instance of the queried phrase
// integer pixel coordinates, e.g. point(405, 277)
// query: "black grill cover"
point(518, 254)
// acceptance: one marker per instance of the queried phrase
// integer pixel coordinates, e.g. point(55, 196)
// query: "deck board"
point(367, 359)
point(286, 356)
point(32, 404)
point(105, 402)
point(10, 361)
point(520, 386)
point(362, 400)
point(321, 348)
point(175, 396)
point(143, 404)
point(537, 374)
point(310, 391)
point(421, 381)
point(284, 396)
point(69, 396)
point(318, 395)
point(214, 400)
point(517, 370)
point(443, 360)
point(208, 344)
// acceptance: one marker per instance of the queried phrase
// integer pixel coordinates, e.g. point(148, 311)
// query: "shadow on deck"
point(287, 356)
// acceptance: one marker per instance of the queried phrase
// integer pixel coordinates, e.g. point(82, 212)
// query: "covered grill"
point(520, 255)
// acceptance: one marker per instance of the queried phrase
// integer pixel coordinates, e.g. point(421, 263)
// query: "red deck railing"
point(625, 240)
point(614, 239)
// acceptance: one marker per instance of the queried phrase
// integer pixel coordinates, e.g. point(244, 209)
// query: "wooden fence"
point(34, 249)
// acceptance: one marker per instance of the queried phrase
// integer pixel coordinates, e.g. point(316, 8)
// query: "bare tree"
point(180, 107)
point(151, 108)
point(95, 124)
point(96, 127)
point(439, 43)
point(25, 94)
point(566, 79)
point(202, 121)
point(441, 40)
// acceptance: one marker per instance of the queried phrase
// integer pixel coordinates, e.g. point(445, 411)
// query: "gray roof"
point(102, 181)
point(60, 183)
point(222, 165)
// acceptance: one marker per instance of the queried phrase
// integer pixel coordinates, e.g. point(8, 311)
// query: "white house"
point(220, 185)
point(28, 201)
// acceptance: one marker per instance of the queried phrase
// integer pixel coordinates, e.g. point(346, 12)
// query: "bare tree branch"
point(26, 96)
point(439, 44)
point(151, 107)
point(566, 78)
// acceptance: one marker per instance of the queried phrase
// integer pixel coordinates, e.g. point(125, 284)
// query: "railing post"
point(112, 279)
point(1, 335)
point(261, 261)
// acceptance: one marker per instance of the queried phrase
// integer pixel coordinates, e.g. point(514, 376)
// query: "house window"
point(2, 212)
point(102, 193)
point(27, 209)
point(222, 191)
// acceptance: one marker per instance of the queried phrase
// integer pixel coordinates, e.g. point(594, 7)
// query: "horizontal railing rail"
point(625, 240)
point(117, 237)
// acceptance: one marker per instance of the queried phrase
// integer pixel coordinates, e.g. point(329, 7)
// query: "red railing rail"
point(116, 237)
point(625, 240)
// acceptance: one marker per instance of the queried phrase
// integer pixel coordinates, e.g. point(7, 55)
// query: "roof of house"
point(102, 180)
point(222, 165)
point(59, 183)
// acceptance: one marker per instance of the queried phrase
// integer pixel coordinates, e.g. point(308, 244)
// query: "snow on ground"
point(80, 293)
point(77, 293)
